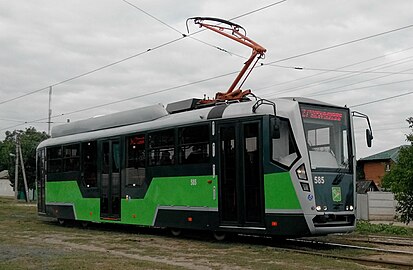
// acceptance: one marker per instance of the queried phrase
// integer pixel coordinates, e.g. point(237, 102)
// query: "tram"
point(235, 164)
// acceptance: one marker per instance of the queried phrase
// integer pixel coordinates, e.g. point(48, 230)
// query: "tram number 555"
point(319, 180)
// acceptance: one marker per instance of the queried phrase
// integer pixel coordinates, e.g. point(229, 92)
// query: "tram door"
point(240, 174)
point(110, 193)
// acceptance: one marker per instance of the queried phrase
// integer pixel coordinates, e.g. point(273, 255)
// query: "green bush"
point(365, 227)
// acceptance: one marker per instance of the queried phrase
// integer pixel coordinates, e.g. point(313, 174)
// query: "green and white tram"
point(284, 167)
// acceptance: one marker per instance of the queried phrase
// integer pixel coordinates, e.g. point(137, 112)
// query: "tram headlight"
point(301, 173)
point(351, 208)
point(325, 207)
point(318, 208)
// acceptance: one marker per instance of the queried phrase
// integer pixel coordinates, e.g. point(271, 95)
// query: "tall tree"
point(400, 179)
point(29, 140)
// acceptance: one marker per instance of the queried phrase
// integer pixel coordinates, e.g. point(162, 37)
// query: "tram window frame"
point(161, 148)
point(54, 159)
point(136, 156)
point(71, 157)
point(89, 164)
point(194, 147)
point(289, 159)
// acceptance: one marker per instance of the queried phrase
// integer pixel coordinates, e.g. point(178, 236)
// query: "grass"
point(365, 227)
point(29, 243)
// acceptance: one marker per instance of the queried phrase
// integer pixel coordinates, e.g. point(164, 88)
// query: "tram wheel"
point(61, 221)
point(176, 232)
point(84, 224)
point(219, 236)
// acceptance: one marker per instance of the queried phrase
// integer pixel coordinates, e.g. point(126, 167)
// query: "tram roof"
point(157, 117)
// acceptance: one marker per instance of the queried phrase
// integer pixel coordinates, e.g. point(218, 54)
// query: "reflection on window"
point(162, 148)
point(284, 149)
point(328, 137)
point(89, 153)
point(71, 158)
point(135, 161)
point(194, 144)
point(54, 159)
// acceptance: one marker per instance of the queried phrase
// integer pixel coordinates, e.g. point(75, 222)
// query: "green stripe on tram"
point(280, 192)
point(192, 191)
point(68, 192)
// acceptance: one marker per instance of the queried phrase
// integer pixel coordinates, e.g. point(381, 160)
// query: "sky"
point(102, 57)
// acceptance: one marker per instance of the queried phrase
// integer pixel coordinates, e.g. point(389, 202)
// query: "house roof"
point(363, 186)
point(391, 154)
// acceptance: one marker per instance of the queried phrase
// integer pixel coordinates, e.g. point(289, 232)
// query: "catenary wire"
point(132, 56)
point(284, 59)
point(345, 76)
point(382, 99)
point(324, 72)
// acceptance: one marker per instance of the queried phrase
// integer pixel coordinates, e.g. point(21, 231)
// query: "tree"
point(400, 179)
point(29, 140)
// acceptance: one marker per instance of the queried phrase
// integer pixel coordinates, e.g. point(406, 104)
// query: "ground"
point(29, 243)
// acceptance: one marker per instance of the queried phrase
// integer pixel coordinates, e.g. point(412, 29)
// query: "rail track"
point(321, 248)
point(382, 240)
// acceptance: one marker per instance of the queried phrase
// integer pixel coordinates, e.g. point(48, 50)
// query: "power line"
point(340, 44)
point(126, 99)
point(346, 76)
point(363, 81)
point(94, 70)
point(358, 88)
point(172, 41)
point(137, 54)
point(324, 72)
point(343, 71)
point(382, 99)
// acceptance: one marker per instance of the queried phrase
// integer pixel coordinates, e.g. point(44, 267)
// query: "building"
point(5, 188)
point(376, 166)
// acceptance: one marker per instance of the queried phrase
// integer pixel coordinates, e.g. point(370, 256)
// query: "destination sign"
point(316, 114)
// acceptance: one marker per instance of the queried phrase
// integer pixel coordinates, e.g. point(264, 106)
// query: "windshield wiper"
point(340, 172)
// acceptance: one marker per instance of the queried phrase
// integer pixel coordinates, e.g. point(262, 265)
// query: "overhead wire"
point(382, 99)
point(284, 59)
point(345, 76)
point(324, 72)
point(340, 44)
point(137, 54)
point(159, 46)
point(358, 88)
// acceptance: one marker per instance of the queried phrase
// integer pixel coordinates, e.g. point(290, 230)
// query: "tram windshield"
point(327, 133)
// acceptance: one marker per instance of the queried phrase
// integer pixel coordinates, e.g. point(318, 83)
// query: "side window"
point(89, 155)
point(136, 160)
point(284, 149)
point(71, 158)
point(162, 148)
point(194, 144)
point(54, 159)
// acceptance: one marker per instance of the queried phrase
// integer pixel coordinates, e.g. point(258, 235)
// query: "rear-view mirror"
point(369, 137)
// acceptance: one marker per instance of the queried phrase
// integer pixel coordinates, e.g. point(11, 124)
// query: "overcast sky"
point(47, 42)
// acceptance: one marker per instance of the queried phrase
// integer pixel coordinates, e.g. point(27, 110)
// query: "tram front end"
point(330, 149)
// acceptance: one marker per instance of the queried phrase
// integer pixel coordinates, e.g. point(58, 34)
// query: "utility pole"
point(50, 110)
point(16, 171)
point(26, 189)
point(19, 155)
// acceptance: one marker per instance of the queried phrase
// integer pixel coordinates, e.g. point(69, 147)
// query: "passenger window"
point(135, 161)
point(284, 149)
point(54, 159)
point(194, 144)
point(89, 157)
point(71, 158)
point(162, 148)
